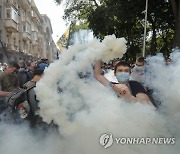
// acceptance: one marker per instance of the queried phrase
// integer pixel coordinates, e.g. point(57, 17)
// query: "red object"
point(20, 106)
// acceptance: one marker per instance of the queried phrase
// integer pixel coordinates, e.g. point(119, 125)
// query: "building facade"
point(24, 32)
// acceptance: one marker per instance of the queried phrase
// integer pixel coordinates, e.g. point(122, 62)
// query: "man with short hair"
point(129, 90)
point(138, 71)
point(8, 79)
point(8, 82)
point(140, 61)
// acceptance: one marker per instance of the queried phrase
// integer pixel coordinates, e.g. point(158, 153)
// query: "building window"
point(27, 28)
point(11, 13)
point(14, 15)
point(8, 13)
point(34, 36)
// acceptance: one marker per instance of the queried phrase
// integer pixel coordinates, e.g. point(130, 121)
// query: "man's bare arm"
point(4, 93)
point(123, 92)
point(143, 98)
point(98, 75)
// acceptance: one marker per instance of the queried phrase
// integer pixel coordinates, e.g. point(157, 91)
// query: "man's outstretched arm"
point(98, 75)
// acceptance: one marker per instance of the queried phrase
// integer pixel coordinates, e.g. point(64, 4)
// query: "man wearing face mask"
point(138, 71)
point(129, 90)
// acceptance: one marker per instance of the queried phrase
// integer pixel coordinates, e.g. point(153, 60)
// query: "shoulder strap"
point(29, 85)
point(33, 102)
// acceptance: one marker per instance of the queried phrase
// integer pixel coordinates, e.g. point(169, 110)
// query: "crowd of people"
point(15, 75)
point(127, 81)
point(18, 101)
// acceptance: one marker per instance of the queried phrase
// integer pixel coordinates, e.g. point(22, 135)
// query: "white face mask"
point(22, 70)
point(122, 77)
point(138, 69)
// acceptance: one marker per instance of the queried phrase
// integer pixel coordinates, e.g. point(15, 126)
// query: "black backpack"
point(23, 106)
point(14, 97)
point(18, 107)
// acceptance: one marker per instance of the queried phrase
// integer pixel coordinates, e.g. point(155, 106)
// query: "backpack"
point(23, 106)
point(18, 103)
point(14, 97)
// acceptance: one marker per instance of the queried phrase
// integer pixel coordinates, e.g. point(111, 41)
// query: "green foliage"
point(124, 18)
point(76, 27)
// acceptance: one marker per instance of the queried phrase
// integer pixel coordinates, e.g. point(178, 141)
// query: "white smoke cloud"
point(19, 139)
point(110, 76)
point(84, 110)
point(164, 79)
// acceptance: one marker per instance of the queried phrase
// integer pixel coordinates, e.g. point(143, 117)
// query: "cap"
point(42, 66)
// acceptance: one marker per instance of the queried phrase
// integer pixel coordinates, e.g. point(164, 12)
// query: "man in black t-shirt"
point(129, 90)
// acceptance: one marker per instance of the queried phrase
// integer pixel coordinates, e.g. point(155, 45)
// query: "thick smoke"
point(163, 78)
point(84, 109)
point(19, 139)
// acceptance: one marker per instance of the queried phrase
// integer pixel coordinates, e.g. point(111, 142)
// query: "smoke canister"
point(22, 111)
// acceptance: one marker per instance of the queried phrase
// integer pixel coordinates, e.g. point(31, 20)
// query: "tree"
point(161, 19)
point(124, 18)
point(77, 9)
point(176, 11)
point(112, 17)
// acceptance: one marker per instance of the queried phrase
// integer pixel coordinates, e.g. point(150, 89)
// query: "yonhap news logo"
point(106, 140)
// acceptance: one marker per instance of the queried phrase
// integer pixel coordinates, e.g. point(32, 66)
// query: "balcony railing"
point(11, 26)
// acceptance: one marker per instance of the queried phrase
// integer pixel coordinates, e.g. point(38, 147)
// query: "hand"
point(122, 90)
